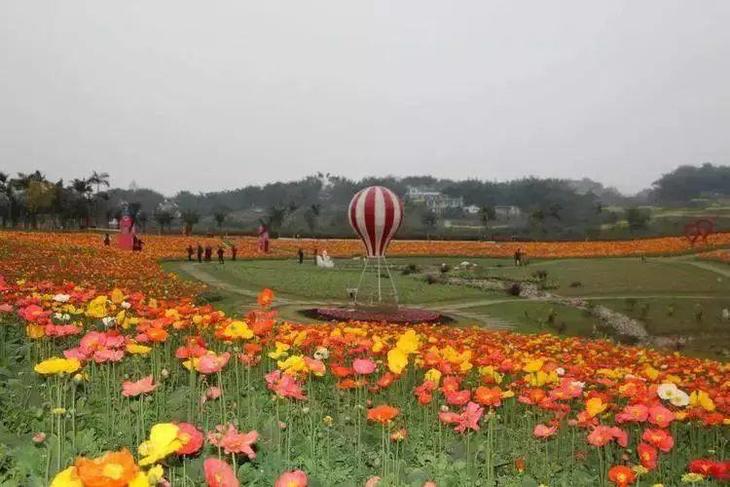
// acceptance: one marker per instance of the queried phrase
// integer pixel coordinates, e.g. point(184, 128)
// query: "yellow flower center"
point(113, 471)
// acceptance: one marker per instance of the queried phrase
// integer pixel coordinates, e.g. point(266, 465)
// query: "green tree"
point(275, 219)
point(486, 214)
point(190, 217)
point(220, 214)
point(637, 218)
point(40, 197)
point(164, 217)
point(7, 198)
point(430, 221)
point(311, 216)
point(83, 190)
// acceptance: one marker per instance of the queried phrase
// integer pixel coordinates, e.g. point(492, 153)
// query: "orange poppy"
point(383, 414)
point(113, 469)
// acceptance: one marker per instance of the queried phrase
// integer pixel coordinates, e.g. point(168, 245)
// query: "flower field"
point(619, 248)
point(721, 255)
point(113, 376)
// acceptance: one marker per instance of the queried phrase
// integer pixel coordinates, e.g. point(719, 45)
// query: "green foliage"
point(637, 218)
point(688, 182)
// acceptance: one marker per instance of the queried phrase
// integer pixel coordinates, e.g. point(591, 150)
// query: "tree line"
point(315, 205)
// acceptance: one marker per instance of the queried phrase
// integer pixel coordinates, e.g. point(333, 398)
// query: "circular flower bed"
point(399, 315)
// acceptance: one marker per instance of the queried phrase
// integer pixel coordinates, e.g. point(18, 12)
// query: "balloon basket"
point(376, 289)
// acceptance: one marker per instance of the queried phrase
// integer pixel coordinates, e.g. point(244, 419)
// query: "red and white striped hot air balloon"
point(375, 214)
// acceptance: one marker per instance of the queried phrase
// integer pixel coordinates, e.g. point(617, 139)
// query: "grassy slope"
point(532, 316)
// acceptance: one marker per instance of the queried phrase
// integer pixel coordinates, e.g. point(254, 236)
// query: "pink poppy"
point(373, 481)
point(32, 312)
point(364, 366)
point(142, 386)
point(219, 474)
point(635, 413)
point(316, 366)
point(211, 363)
point(543, 431)
point(295, 478)
point(191, 437)
point(602, 435)
point(660, 416)
point(108, 355)
point(284, 385)
point(232, 441)
point(467, 419)
point(457, 398)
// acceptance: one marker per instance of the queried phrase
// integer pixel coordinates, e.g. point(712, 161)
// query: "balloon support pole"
point(371, 290)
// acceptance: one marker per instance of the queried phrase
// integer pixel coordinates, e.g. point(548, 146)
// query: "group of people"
point(205, 254)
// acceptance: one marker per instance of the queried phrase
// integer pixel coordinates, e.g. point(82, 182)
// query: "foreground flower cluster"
point(140, 389)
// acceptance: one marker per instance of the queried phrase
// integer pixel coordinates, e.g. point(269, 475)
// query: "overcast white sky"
point(216, 95)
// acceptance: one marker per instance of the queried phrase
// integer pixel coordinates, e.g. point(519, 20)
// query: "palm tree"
point(99, 180)
point(82, 187)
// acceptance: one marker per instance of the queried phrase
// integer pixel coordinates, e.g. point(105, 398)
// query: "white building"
point(433, 200)
point(507, 212)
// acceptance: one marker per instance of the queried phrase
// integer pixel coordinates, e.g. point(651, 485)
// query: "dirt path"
point(725, 272)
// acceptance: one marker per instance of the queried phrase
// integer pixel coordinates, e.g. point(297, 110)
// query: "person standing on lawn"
point(208, 253)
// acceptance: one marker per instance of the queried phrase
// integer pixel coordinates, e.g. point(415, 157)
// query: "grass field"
point(606, 277)
point(533, 316)
point(666, 294)
point(665, 316)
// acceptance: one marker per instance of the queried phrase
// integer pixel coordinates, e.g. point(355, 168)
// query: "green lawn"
point(620, 276)
point(664, 293)
point(666, 316)
point(307, 282)
point(536, 316)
